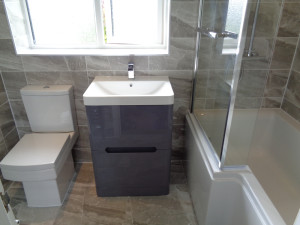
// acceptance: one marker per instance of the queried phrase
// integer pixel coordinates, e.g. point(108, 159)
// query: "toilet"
point(42, 160)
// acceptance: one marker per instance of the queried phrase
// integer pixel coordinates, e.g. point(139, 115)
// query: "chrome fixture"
point(214, 35)
point(251, 52)
point(130, 71)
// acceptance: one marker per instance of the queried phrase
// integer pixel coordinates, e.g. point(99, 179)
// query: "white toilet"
point(43, 160)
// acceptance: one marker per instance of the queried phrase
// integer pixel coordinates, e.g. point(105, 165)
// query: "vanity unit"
point(130, 124)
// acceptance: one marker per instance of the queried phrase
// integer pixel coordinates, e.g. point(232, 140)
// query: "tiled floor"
point(83, 207)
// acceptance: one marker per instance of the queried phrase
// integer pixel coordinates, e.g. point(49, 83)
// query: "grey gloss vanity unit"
point(130, 124)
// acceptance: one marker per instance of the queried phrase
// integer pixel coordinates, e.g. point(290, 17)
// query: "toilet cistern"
point(130, 71)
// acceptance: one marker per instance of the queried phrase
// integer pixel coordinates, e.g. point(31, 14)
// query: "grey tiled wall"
point(18, 71)
point(275, 42)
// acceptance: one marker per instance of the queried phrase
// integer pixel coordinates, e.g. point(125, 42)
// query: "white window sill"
point(100, 52)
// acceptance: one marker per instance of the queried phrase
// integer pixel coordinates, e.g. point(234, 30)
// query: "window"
point(104, 27)
point(234, 24)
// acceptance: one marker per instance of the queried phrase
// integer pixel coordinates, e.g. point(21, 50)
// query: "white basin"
point(119, 90)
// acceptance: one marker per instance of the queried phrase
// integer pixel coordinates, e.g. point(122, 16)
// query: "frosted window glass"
point(133, 21)
point(67, 23)
point(234, 16)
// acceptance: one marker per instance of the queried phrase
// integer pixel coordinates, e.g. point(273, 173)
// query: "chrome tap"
point(130, 71)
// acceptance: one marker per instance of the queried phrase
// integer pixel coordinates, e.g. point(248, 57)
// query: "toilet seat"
point(37, 156)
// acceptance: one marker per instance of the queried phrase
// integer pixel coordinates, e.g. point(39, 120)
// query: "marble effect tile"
point(276, 83)
point(83, 140)
point(82, 155)
point(248, 102)
point(9, 61)
point(291, 109)
point(80, 112)
point(296, 63)
point(121, 62)
point(290, 20)
point(267, 20)
point(180, 109)
point(293, 89)
point(283, 53)
point(97, 63)
point(252, 83)
point(24, 130)
point(184, 16)
point(14, 81)
point(4, 27)
point(271, 102)
point(180, 57)
point(5, 114)
point(178, 144)
point(3, 96)
point(83, 207)
point(177, 175)
point(11, 139)
point(172, 209)
point(53, 63)
point(19, 112)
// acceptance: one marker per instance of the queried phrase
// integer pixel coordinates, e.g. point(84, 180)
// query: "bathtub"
point(230, 197)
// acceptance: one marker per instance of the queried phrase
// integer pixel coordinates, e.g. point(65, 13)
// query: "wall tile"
point(180, 109)
point(3, 149)
point(14, 81)
point(19, 112)
point(293, 89)
point(283, 53)
point(83, 140)
point(205, 53)
point(92, 74)
point(3, 97)
point(78, 79)
point(82, 155)
point(53, 63)
point(4, 28)
point(290, 20)
point(80, 112)
point(276, 83)
point(8, 127)
point(11, 139)
point(181, 56)
point(248, 102)
point(271, 102)
point(97, 63)
point(296, 63)
point(8, 59)
point(178, 150)
point(5, 114)
point(291, 109)
point(252, 83)
point(216, 84)
point(201, 83)
point(121, 62)
point(184, 16)
point(267, 20)
point(24, 130)
point(262, 47)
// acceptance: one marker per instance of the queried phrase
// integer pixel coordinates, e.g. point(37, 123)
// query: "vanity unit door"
point(133, 174)
point(130, 126)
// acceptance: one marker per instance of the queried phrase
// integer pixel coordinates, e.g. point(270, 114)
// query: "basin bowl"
point(119, 90)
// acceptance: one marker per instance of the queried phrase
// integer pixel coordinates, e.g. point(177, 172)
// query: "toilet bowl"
point(42, 161)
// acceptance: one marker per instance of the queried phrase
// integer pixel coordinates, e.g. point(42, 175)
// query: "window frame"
point(28, 47)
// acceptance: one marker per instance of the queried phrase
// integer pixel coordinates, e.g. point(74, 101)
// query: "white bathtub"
point(224, 197)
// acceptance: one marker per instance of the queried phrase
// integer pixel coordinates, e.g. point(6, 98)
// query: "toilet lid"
point(36, 151)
